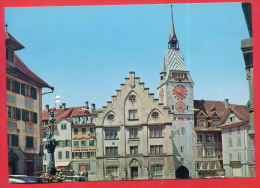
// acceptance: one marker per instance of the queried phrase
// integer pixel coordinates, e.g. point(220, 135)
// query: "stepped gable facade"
point(133, 133)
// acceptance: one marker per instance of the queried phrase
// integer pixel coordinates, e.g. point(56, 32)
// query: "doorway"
point(134, 172)
point(182, 173)
point(29, 168)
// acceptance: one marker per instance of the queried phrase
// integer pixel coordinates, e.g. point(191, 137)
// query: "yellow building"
point(24, 103)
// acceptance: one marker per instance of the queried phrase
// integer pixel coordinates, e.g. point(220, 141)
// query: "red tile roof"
point(241, 111)
point(232, 124)
point(66, 113)
point(210, 107)
point(58, 113)
point(14, 43)
point(80, 111)
point(20, 70)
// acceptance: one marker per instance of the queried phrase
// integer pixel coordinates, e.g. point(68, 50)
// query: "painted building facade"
point(134, 138)
point(209, 156)
point(83, 137)
point(24, 103)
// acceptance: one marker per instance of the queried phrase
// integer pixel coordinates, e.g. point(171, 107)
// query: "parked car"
point(75, 178)
point(14, 180)
point(24, 179)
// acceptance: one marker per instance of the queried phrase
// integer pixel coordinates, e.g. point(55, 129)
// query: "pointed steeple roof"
point(173, 41)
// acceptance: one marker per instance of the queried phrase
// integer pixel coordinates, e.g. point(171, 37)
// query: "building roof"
point(58, 113)
point(210, 108)
point(18, 69)
point(241, 111)
point(232, 124)
point(66, 113)
point(80, 111)
point(12, 42)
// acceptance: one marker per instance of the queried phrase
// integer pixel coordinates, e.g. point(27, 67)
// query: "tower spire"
point(173, 41)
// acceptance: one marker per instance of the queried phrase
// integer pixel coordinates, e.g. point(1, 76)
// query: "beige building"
point(62, 134)
point(24, 103)
point(134, 138)
point(235, 128)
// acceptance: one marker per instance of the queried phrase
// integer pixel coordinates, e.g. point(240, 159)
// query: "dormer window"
point(9, 55)
point(214, 122)
point(201, 123)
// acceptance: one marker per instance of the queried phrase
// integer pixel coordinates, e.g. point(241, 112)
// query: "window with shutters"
point(29, 142)
point(13, 140)
point(199, 138)
point(60, 155)
point(91, 142)
point(83, 143)
point(76, 131)
point(230, 142)
point(8, 84)
point(63, 126)
point(239, 156)
point(76, 143)
point(92, 154)
point(67, 154)
point(209, 138)
point(92, 130)
point(238, 141)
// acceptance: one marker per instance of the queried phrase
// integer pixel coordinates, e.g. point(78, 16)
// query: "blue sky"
point(86, 52)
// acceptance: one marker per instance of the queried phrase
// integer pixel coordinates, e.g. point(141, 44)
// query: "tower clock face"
point(180, 107)
point(161, 94)
point(179, 92)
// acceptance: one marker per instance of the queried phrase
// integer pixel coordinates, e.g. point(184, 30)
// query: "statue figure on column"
point(50, 145)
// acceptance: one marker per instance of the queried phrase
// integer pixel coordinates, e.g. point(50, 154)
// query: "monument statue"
point(50, 145)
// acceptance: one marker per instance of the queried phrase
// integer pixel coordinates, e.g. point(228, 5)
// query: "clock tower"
point(175, 91)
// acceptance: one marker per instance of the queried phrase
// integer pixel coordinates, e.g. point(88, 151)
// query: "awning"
point(62, 163)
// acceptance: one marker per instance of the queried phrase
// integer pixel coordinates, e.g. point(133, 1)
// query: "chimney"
point(63, 105)
point(47, 107)
point(226, 103)
point(86, 104)
point(93, 107)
